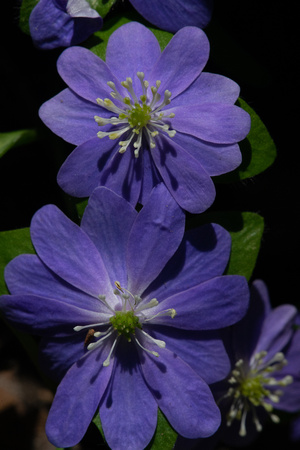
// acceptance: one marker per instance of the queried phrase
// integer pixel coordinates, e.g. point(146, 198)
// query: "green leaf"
point(98, 42)
point(164, 437)
point(258, 149)
point(25, 11)
point(15, 139)
point(102, 6)
point(12, 244)
point(246, 230)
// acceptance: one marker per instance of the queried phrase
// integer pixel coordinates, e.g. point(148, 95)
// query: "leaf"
point(98, 42)
point(164, 437)
point(258, 149)
point(102, 6)
point(25, 11)
point(12, 244)
point(15, 139)
point(246, 230)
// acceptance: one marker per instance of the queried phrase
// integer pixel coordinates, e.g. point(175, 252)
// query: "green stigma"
point(125, 323)
point(139, 116)
point(253, 389)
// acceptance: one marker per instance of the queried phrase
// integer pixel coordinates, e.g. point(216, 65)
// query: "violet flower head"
point(129, 309)
point(167, 120)
point(265, 352)
point(171, 15)
point(61, 23)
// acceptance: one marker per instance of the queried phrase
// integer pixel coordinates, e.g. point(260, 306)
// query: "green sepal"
point(25, 11)
point(246, 231)
point(16, 139)
point(258, 150)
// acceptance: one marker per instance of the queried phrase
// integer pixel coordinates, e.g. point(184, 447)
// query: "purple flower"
point(145, 139)
point(265, 352)
point(129, 309)
point(61, 23)
point(171, 15)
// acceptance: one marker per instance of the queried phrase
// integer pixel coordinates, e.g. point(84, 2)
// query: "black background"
point(267, 32)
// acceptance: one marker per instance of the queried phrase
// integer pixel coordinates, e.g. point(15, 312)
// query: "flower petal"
point(26, 274)
point(155, 236)
point(67, 250)
point(185, 178)
point(203, 254)
point(216, 303)
point(86, 74)
point(125, 59)
point(212, 362)
point(128, 411)
point(171, 15)
point(182, 61)
point(181, 394)
point(209, 88)
point(71, 117)
point(108, 220)
point(77, 399)
point(212, 122)
point(45, 317)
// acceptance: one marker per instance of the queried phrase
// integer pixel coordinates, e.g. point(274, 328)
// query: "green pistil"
point(253, 389)
point(139, 116)
point(125, 323)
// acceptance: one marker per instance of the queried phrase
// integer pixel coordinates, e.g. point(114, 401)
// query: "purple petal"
point(181, 394)
point(182, 61)
point(215, 159)
point(212, 122)
point(51, 26)
point(80, 173)
point(71, 117)
point(214, 304)
point(77, 399)
point(26, 274)
point(211, 364)
point(67, 250)
point(128, 392)
point(171, 15)
point(108, 220)
point(46, 317)
point(208, 88)
point(86, 74)
point(125, 59)
point(155, 236)
point(150, 177)
point(185, 178)
point(203, 254)
point(276, 330)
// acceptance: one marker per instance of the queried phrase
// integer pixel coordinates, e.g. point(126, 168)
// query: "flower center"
point(142, 119)
point(250, 388)
point(125, 323)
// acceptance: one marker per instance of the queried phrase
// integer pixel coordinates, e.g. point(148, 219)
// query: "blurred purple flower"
point(129, 310)
point(264, 348)
point(61, 23)
point(145, 140)
point(171, 15)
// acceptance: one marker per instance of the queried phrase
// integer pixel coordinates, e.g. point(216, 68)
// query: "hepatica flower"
point(265, 353)
point(171, 15)
point(128, 308)
point(144, 117)
point(61, 23)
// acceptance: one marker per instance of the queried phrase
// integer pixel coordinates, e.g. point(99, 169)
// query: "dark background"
point(264, 60)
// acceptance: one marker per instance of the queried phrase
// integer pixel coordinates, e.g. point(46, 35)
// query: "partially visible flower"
point(129, 309)
point(264, 348)
point(144, 139)
point(171, 15)
point(61, 23)
point(295, 429)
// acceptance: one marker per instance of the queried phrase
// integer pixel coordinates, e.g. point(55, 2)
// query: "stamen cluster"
point(140, 117)
point(250, 388)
